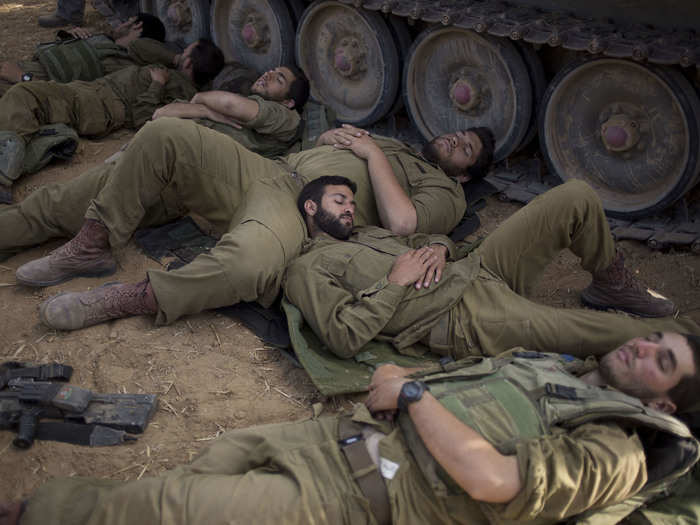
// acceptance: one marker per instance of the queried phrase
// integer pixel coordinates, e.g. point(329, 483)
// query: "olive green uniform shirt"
point(142, 96)
point(439, 200)
point(479, 306)
point(270, 133)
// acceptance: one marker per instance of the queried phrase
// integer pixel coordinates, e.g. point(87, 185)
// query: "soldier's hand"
point(410, 267)
point(434, 271)
point(384, 396)
point(389, 371)
point(340, 135)
point(80, 32)
point(356, 140)
point(11, 72)
point(160, 75)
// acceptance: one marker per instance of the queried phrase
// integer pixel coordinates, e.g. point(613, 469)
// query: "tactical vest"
point(77, 59)
point(528, 394)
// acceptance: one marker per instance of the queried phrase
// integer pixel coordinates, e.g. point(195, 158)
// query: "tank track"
point(634, 41)
point(678, 227)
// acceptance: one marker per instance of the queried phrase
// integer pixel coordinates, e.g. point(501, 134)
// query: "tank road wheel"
point(257, 33)
point(350, 59)
point(185, 20)
point(456, 78)
point(628, 129)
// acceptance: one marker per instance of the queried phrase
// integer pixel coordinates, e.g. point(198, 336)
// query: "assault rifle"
point(73, 414)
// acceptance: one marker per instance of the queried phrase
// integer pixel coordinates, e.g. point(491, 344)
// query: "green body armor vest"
point(525, 396)
point(76, 59)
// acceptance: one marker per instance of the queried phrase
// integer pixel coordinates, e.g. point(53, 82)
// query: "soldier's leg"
point(498, 319)
point(301, 471)
point(568, 216)
point(58, 210)
point(11, 69)
point(71, 10)
point(27, 106)
point(247, 264)
point(181, 166)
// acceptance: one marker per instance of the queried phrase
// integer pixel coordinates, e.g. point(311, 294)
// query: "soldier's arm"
point(190, 110)
point(237, 107)
point(476, 465)
point(146, 102)
point(396, 211)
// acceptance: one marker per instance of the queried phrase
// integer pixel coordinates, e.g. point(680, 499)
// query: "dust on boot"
point(74, 310)
point(88, 254)
point(616, 287)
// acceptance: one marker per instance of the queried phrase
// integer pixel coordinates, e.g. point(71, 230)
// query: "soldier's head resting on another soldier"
point(327, 204)
point(464, 155)
point(285, 84)
point(202, 60)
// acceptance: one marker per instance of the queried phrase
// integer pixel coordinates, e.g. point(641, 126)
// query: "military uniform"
point(297, 473)
point(111, 57)
point(126, 98)
point(270, 133)
point(175, 166)
point(478, 307)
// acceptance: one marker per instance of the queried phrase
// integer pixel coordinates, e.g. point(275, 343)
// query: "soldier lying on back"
point(353, 285)
point(126, 98)
point(527, 438)
point(79, 55)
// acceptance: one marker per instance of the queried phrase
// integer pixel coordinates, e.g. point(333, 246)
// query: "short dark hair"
point(685, 394)
point(151, 27)
point(483, 162)
point(207, 61)
point(299, 89)
point(314, 190)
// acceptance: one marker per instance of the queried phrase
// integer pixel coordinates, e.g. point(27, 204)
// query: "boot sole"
point(605, 308)
point(41, 284)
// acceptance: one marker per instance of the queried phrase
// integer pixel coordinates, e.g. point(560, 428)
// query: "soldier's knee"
point(581, 191)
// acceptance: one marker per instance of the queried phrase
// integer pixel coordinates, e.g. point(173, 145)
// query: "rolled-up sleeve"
point(274, 119)
point(563, 475)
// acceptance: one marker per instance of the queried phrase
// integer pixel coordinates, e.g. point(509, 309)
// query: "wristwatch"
point(26, 77)
point(411, 392)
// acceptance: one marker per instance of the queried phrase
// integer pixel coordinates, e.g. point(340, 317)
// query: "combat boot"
point(12, 152)
point(616, 287)
point(86, 255)
point(71, 311)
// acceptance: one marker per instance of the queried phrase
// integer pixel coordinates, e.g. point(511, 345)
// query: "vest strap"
point(364, 471)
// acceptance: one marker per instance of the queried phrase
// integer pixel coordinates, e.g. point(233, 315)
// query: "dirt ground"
point(210, 372)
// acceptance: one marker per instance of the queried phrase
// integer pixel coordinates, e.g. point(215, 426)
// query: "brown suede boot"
point(71, 311)
point(86, 255)
point(615, 287)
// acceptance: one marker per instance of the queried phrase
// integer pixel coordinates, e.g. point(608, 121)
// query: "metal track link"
point(635, 41)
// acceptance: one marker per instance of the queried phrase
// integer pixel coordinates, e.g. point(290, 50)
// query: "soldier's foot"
point(72, 311)
point(11, 512)
point(12, 151)
point(616, 287)
point(88, 254)
point(54, 20)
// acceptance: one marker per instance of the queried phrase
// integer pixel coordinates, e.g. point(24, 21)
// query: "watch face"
point(412, 390)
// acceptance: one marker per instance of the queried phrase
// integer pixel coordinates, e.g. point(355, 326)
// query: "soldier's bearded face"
point(648, 367)
point(339, 227)
point(454, 152)
point(335, 214)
